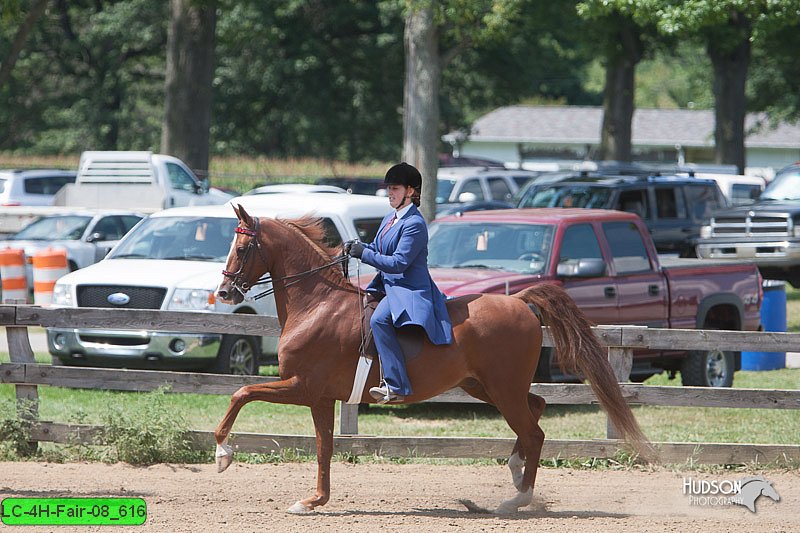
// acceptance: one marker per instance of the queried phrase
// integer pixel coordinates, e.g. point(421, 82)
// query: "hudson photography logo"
point(727, 492)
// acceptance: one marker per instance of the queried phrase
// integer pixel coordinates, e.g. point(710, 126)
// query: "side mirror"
point(467, 197)
point(204, 185)
point(581, 268)
point(96, 236)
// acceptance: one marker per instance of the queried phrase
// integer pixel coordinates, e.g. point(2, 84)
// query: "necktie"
point(389, 225)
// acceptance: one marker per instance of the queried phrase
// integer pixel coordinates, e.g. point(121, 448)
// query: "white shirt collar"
point(400, 213)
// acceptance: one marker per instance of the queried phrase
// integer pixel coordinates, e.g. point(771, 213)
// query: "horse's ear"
point(244, 217)
point(236, 210)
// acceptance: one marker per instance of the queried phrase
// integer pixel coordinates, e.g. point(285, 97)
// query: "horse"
point(496, 344)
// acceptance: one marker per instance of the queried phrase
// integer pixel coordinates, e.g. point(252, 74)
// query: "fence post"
point(19, 351)
point(621, 360)
point(348, 419)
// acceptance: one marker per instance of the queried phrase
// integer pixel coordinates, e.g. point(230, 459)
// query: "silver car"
point(32, 187)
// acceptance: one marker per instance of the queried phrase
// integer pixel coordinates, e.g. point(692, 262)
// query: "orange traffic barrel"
point(48, 265)
point(12, 272)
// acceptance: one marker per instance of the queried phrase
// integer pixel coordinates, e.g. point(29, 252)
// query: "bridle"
point(240, 284)
point(237, 278)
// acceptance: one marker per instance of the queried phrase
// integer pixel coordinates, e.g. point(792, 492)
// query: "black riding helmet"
point(403, 174)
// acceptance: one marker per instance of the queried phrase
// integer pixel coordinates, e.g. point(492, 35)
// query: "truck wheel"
point(238, 354)
point(711, 368)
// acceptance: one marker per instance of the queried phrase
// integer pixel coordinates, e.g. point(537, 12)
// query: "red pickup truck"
point(607, 262)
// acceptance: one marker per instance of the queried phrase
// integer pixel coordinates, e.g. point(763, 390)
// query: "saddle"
point(409, 337)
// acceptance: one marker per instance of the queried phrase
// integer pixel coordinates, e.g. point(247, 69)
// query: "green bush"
point(147, 432)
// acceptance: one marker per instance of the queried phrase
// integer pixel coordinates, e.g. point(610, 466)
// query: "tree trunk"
point(37, 9)
point(190, 68)
point(730, 62)
point(421, 102)
point(615, 135)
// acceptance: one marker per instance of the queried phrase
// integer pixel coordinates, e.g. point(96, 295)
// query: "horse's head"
point(246, 263)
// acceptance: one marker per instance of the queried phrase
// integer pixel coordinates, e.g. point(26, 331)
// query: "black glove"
point(354, 249)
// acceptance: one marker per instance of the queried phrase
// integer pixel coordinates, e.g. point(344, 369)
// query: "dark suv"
point(673, 207)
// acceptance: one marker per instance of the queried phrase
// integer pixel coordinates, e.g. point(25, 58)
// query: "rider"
point(400, 253)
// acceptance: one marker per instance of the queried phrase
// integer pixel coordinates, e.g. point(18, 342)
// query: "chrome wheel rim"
point(242, 358)
point(716, 368)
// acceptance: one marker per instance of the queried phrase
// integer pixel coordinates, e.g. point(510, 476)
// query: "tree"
point(728, 28)
point(190, 70)
point(623, 41)
point(428, 25)
point(21, 35)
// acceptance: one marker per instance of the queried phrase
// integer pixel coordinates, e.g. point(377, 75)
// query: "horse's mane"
point(314, 230)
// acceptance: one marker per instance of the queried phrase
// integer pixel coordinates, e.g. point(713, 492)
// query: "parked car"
point(470, 184)
point(448, 160)
point(278, 188)
point(674, 208)
point(766, 232)
point(172, 261)
point(32, 187)
point(737, 189)
point(86, 236)
point(478, 205)
point(356, 184)
point(607, 262)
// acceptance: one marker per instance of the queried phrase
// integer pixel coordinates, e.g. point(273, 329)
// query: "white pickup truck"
point(136, 180)
point(173, 261)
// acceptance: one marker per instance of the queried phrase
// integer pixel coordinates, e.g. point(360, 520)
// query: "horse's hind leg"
point(521, 455)
point(523, 419)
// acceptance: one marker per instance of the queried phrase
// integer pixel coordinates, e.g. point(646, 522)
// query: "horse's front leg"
point(288, 391)
point(323, 414)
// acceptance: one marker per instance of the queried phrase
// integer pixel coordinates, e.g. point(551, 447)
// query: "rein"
point(242, 286)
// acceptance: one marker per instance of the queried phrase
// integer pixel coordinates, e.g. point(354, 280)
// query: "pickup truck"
point(173, 261)
point(766, 232)
point(136, 180)
point(607, 262)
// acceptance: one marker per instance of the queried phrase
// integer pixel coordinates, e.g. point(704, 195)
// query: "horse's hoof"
point(299, 508)
point(223, 463)
point(224, 456)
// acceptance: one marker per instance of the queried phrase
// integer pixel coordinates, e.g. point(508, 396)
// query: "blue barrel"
point(773, 318)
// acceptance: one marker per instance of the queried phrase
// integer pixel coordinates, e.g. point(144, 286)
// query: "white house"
point(542, 136)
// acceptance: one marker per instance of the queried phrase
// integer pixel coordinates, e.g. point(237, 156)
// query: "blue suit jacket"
point(401, 257)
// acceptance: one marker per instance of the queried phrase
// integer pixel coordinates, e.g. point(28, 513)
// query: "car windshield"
point(783, 187)
point(54, 228)
point(523, 248)
point(178, 238)
point(444, 188)
point(568, 196)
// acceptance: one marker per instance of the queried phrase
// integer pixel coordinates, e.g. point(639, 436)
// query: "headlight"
point(192, 300)
point(62, 295)
point(705, 232)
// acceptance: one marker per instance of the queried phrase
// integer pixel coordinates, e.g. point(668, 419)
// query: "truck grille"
point(140, 297)
point(752, 225)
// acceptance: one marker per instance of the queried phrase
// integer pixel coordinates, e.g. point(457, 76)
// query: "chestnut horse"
point(493, 356)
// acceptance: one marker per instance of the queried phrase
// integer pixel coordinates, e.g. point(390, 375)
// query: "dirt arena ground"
point(401, 498)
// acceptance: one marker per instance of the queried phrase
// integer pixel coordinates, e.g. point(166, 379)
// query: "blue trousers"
point(391, 355)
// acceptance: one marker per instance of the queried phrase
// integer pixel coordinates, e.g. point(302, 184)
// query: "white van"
point(737, 189)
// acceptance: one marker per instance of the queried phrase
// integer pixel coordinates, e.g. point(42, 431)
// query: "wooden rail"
point(620, 341)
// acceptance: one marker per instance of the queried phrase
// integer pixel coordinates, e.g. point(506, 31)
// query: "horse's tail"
point(580, 353)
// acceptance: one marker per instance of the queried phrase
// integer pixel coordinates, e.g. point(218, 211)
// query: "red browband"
point(245, 231)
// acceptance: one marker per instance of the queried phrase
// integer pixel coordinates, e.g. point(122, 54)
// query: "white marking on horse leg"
point(522, 499)
point(299, 508)
point(224, 456)
point(515, 464)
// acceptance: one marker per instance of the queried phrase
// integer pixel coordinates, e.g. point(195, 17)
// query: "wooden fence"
point(620, 340)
